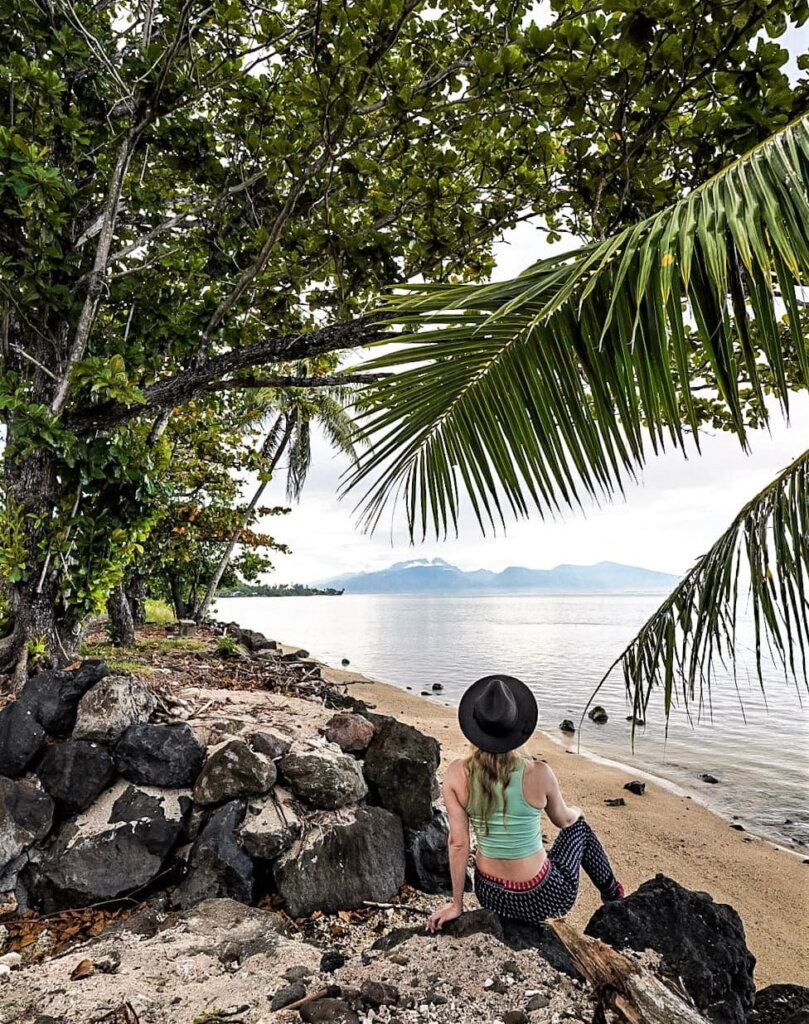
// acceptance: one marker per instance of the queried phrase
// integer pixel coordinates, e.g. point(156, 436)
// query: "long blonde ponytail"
point(487, 774)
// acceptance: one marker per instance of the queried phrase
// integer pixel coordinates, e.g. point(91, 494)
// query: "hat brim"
point(527, 713)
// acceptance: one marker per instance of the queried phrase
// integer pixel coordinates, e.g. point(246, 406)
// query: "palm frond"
point(539, 391)
point(695, 628)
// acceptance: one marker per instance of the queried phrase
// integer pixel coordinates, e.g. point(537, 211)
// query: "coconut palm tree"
point(292, 412)
point(539, 391)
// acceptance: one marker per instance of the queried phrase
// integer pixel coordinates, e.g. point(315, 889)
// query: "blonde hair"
point(486, 774)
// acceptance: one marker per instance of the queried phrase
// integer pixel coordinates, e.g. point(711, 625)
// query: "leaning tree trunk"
point(122, 624)
point(201, 610)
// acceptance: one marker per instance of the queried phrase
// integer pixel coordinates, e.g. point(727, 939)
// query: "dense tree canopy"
point(195, 195)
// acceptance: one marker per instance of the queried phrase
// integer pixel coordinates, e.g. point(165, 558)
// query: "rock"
point(331, 960)
point(159, 755)
point(328, 1011)
point(218, 866)
point(271, 744)
point(567, 726)
point(401, 765)
point(75, 774)
point(345, 662)
point(53, 696)
point(288, 994)
point(325, 777)
point(710, 779)
point(26, 815)
point(515, 1017)
point(112, 849)
point(427, 856)
point(21, 736)
point(638, 788)
point(617, 801)
point(437, 687)
point(186, 627)
point(313, 875)
point(349, 731)
point(233, 769)
point(270, 826)
point(298, 972)
point(597, 715)
point(739, 828)
point(699, 941)
point(520, 935)
point(538, 1001)
point(109, 707)
point(780, 1004)
point(379, 993)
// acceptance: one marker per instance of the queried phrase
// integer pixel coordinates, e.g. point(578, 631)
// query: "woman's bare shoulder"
point(456, 769)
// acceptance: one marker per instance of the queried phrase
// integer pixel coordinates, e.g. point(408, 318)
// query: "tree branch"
point(183, 386)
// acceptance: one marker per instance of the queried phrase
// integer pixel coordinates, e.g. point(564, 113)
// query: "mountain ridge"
point(422, 575)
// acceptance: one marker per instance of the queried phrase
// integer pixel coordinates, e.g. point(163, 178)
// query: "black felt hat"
point(497, 713)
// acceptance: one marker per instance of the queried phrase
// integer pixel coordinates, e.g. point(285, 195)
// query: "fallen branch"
point(635, 994)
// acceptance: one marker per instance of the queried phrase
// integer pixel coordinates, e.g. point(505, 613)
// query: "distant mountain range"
point(435, 576)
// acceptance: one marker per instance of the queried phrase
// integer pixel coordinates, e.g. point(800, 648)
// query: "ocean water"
point(561, 646)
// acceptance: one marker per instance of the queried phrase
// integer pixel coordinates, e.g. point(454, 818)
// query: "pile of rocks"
point(102, 802)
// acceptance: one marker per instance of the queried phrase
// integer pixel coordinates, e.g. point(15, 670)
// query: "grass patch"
point(148, 645)
point(158, 612)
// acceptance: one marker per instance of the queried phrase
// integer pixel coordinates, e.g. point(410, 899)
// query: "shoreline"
point(665, 831)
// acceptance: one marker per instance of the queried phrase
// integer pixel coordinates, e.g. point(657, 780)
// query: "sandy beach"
point(657, 832)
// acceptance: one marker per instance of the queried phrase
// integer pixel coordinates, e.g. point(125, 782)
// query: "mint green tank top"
point(515, 834)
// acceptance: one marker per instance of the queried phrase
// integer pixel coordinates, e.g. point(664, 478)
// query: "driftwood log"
point(633, 993)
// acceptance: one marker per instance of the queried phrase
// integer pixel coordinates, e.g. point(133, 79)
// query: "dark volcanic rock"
point(21, 736)
point(75, 773)
point(54, 696)
point(159, 755)
point(400, 765)
point(699, 941)
point(597, 715)
point(312, 874)
point(288, 994)
point(325, 778)
point(520, 935)
point(636, 787)
point(110, 706)
point(270, 826)
point(96, 858)
point(378, 993)
point(26, 814)
point(567, 726)
point(350, 732)
point(231, 770)
point(328, 1011)
point(218, 866)
point(269, 743)
point(781, 1004)
point(427, 857)
point(710, 779)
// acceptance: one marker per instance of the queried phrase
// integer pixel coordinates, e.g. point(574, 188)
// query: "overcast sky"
point(676, 511)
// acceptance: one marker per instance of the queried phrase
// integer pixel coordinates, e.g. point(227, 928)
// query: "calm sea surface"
point(561, 647)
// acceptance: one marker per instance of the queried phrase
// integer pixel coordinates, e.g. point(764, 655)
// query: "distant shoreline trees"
point(278, 590)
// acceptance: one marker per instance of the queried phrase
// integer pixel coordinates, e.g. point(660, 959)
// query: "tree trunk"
point(177, 598)
point(201, 610)
point(32, 488)
point(136, 595)
point(122, 625)
point(633, 993)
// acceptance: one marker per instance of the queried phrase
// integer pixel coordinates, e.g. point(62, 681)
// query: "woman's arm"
point(558, 811)
point(458, 847)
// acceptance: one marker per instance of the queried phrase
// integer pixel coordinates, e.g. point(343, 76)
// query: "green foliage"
point(37, 650)
point(227, 646)
point(277, 590)
point(158, 611)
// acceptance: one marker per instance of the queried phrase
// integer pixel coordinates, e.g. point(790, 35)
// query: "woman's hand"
point(436, 921)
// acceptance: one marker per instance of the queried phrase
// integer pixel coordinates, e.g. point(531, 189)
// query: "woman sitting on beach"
point(503, 794)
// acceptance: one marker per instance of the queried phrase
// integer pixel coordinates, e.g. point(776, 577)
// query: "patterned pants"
point(553, 891)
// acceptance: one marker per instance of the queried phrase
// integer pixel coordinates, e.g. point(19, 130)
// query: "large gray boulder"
point(400, 766)
point(118, 846)
point(108, 709)
point(159, 755)
point(53, 696)
point(323, 777)
point(21, 736)
point(75, 773)
point(270, 826)
point(700, 942)
point(231, 770)
point(343, 858)
point(218, 866)
point(26, 815)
